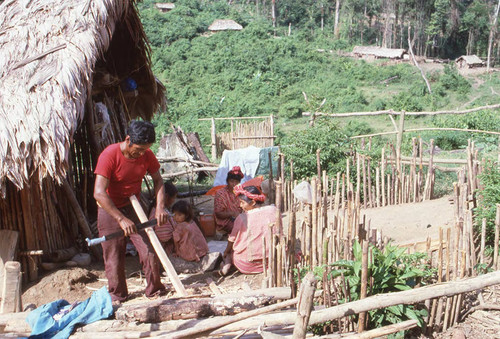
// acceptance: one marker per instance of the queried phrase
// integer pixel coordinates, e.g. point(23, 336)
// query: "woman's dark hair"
point(183, 207)
point(141, 132)
point(235, 173)
point(253, 190)
point(170, 189)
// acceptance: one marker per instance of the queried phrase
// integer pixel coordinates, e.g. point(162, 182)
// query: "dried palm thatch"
point(49, 53)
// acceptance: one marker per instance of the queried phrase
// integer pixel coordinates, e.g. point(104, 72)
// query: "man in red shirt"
point(119, 173)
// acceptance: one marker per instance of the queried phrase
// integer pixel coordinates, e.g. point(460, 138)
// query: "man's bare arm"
point(103, 200)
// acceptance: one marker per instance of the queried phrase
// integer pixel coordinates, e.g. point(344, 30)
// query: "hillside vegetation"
point(262, 70)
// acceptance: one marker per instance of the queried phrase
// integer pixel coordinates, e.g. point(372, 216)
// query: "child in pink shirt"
point(244, 247)
point(190, 244)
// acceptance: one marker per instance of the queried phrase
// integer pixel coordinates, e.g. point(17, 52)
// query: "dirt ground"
point(404, 224)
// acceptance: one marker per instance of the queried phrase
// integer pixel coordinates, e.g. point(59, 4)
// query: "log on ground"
point(171, 309)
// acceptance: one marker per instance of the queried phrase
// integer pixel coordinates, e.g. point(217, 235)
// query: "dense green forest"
point(288, 50)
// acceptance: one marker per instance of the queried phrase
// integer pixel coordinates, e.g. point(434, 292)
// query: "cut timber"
point(11, 295)
point(172, 309)
point(8, 246)
point(383, 300)
point(305, 305)
point(167, 265)
point(382, 331)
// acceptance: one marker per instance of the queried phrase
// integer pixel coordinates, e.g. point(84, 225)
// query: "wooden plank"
point(8, 245)
point(179, 288)
point(11, 295)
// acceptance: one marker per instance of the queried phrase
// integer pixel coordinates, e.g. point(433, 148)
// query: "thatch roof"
point(470, 60)
point(48, 56)
point(379, 52)
point(225, 25)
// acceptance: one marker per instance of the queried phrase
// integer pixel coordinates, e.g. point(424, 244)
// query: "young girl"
point(244, 246)
point(189, 242)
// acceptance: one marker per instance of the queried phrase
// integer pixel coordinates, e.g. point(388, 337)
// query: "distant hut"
point(469, 61)
point(379, 52)
point(73, 74)
point(224, 25)
point(164, 7)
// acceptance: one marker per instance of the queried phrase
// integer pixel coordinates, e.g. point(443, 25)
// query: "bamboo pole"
point(364, 283)
point(382, 174)
point(314, 223)
point(497, 235)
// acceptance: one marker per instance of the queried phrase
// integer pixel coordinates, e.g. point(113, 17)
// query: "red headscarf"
point(239, 190)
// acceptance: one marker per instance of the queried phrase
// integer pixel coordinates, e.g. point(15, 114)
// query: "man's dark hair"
point(141, 132)
point(170, 189)
point(183, 207)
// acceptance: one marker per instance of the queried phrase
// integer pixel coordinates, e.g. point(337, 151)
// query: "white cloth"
point(246, 158)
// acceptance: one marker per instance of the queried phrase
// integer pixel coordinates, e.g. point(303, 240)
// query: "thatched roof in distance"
point(225, 25)
point(470, 60)
point(379, 52)
point(48, 54)
point(164, 6)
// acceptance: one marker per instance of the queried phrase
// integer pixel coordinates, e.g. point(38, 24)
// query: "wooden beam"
point(179, 288)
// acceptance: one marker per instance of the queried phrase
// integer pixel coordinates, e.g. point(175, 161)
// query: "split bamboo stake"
point(364, 283)
point(382, 174)
point(497, 234)
point(176, 282)
point(304, 305)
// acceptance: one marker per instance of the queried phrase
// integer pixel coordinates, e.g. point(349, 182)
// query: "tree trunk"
point(304, 306)
point(172, 309)
point(273, 12)
point(336, 25)
point(493, 31)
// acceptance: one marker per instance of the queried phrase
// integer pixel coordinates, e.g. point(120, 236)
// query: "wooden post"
point(483, 240)
point(382, 175)
point(364, 283)
point(232, 134)
point(176, 282)
point(304, 306)
point(314, 223)
point(214, 140)
point(497, 231)
point(271, 120)
point(11, 294)
point(399, 141)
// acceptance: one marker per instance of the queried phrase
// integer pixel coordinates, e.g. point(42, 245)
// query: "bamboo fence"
point(245, 131)
point(334, 220)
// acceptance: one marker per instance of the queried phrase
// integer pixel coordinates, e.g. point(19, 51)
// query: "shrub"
point(488, 198)
point(301, 146)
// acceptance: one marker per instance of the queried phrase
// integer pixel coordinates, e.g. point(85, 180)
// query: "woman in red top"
point(226, 205)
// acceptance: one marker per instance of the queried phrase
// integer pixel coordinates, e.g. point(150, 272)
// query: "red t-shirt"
point(124, 175)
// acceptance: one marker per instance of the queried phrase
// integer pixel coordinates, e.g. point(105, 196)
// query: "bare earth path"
point(413, 222)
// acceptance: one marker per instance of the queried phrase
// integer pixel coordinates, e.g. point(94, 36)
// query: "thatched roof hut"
point(164, 6)
point(73, 74)
point(469, 61)
point(379, 52)
point(225, 25)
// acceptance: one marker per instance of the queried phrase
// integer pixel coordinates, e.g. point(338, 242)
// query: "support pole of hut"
point(304, 306)
point(213, 134)
point(179, 288)
point(82, 220)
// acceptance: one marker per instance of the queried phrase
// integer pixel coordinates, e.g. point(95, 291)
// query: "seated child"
point(190, 244)
point(165, 232)
point(244, 246)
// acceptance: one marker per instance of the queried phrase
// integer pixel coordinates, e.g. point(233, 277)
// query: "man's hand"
point(127, 226)
point(161, 215)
